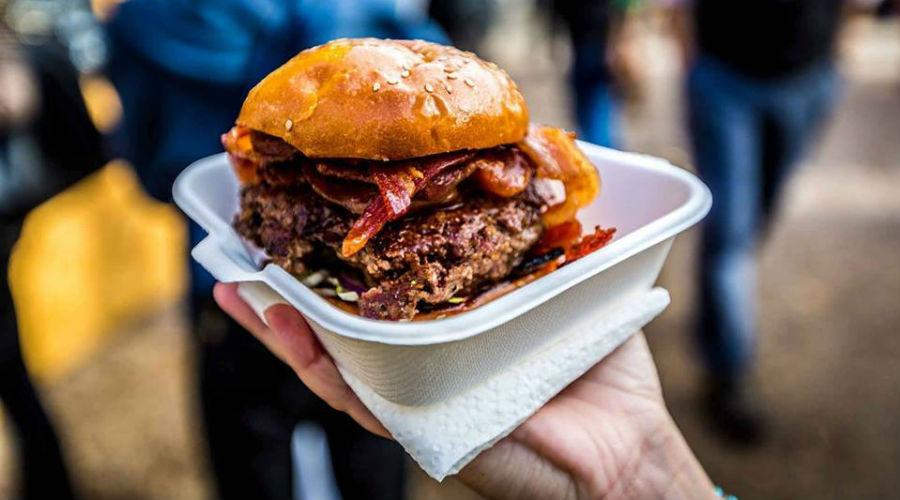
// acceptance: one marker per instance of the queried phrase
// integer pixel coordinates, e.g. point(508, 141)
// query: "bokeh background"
point(99, 273)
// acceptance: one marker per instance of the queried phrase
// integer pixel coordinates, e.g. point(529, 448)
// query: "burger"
point(403, 180)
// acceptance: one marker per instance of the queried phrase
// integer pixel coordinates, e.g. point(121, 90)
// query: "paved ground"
point(829, 353)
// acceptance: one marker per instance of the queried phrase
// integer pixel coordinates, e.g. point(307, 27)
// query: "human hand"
point(607, 435)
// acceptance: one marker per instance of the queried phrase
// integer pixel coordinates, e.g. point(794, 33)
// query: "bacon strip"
point(251, 150)
point(443, 185)
point(272, 148)
point(556, 156)
point(240, 150)
point(356, 196)
point(404, 185)
point(589, 243)
point(344, 170)
point(415, 175)
point(352, 195)
point(397, 185)
point(505, 173)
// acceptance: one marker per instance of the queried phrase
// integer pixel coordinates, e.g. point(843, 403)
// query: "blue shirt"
point(183, 67)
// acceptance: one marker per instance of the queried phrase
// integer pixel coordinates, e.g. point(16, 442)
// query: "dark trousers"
point(251, 404)
point(596, 110)
point(43, 471)
point(747, 136)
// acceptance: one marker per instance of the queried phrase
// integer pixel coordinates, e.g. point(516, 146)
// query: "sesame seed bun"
point(386, 100)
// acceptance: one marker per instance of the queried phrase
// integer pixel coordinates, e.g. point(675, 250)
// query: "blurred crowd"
point(761, 82)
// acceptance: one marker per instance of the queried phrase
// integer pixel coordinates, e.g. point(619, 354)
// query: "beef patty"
point(423, 258)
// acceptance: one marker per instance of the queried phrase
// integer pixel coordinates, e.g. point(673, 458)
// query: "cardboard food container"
point(417, 363)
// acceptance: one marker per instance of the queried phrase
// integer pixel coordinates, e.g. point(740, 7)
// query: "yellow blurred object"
point(89, 260)
point(102, 102)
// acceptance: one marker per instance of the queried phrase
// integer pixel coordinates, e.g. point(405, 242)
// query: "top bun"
point(386, 100)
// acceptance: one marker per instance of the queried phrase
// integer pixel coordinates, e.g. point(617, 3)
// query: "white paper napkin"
point(443, 437)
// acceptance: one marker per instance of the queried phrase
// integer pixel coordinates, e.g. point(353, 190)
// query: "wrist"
point(668, 469)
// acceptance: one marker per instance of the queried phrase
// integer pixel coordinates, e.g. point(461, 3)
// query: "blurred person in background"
point(182, 69)
point(887, 8)
point(592, 25)
point(47, 142)
point(762, 81)
point(466, 22)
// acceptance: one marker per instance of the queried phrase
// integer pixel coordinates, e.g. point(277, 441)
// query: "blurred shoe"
point(734, 414)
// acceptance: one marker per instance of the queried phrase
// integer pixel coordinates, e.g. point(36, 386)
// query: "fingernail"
point(259, 297)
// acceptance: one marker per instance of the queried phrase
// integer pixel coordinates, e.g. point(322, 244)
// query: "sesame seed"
point(448, 89)
point(405, 67)
point(452, 76)
point(429, 87)
point(288, 125)
point(393, 81)
point(376, 86)
point(469, 82)
point(405, 73)
point(450, 69)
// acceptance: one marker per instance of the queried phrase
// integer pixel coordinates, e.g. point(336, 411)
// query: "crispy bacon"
point(416, 174)
point(272, 148)
point(589, 243)
point(281, 175)
point(504, 173)
point(563, 244)
point(352, 195)
point(250, 150)
point(240, 150)
point(342, 170)
point(397, 185)
point(443, 186)
point(366, 227)
point(356, 196)
point(547, 163)
point(556, 156)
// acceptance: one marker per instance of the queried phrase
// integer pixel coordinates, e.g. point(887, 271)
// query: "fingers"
point(227, 298)
point(628, 370)
point(230, 302)
point(510, 469)
point(290, 338)
point(316, 368)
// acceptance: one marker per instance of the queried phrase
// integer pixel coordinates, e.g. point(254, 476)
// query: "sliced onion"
point(314, 279)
